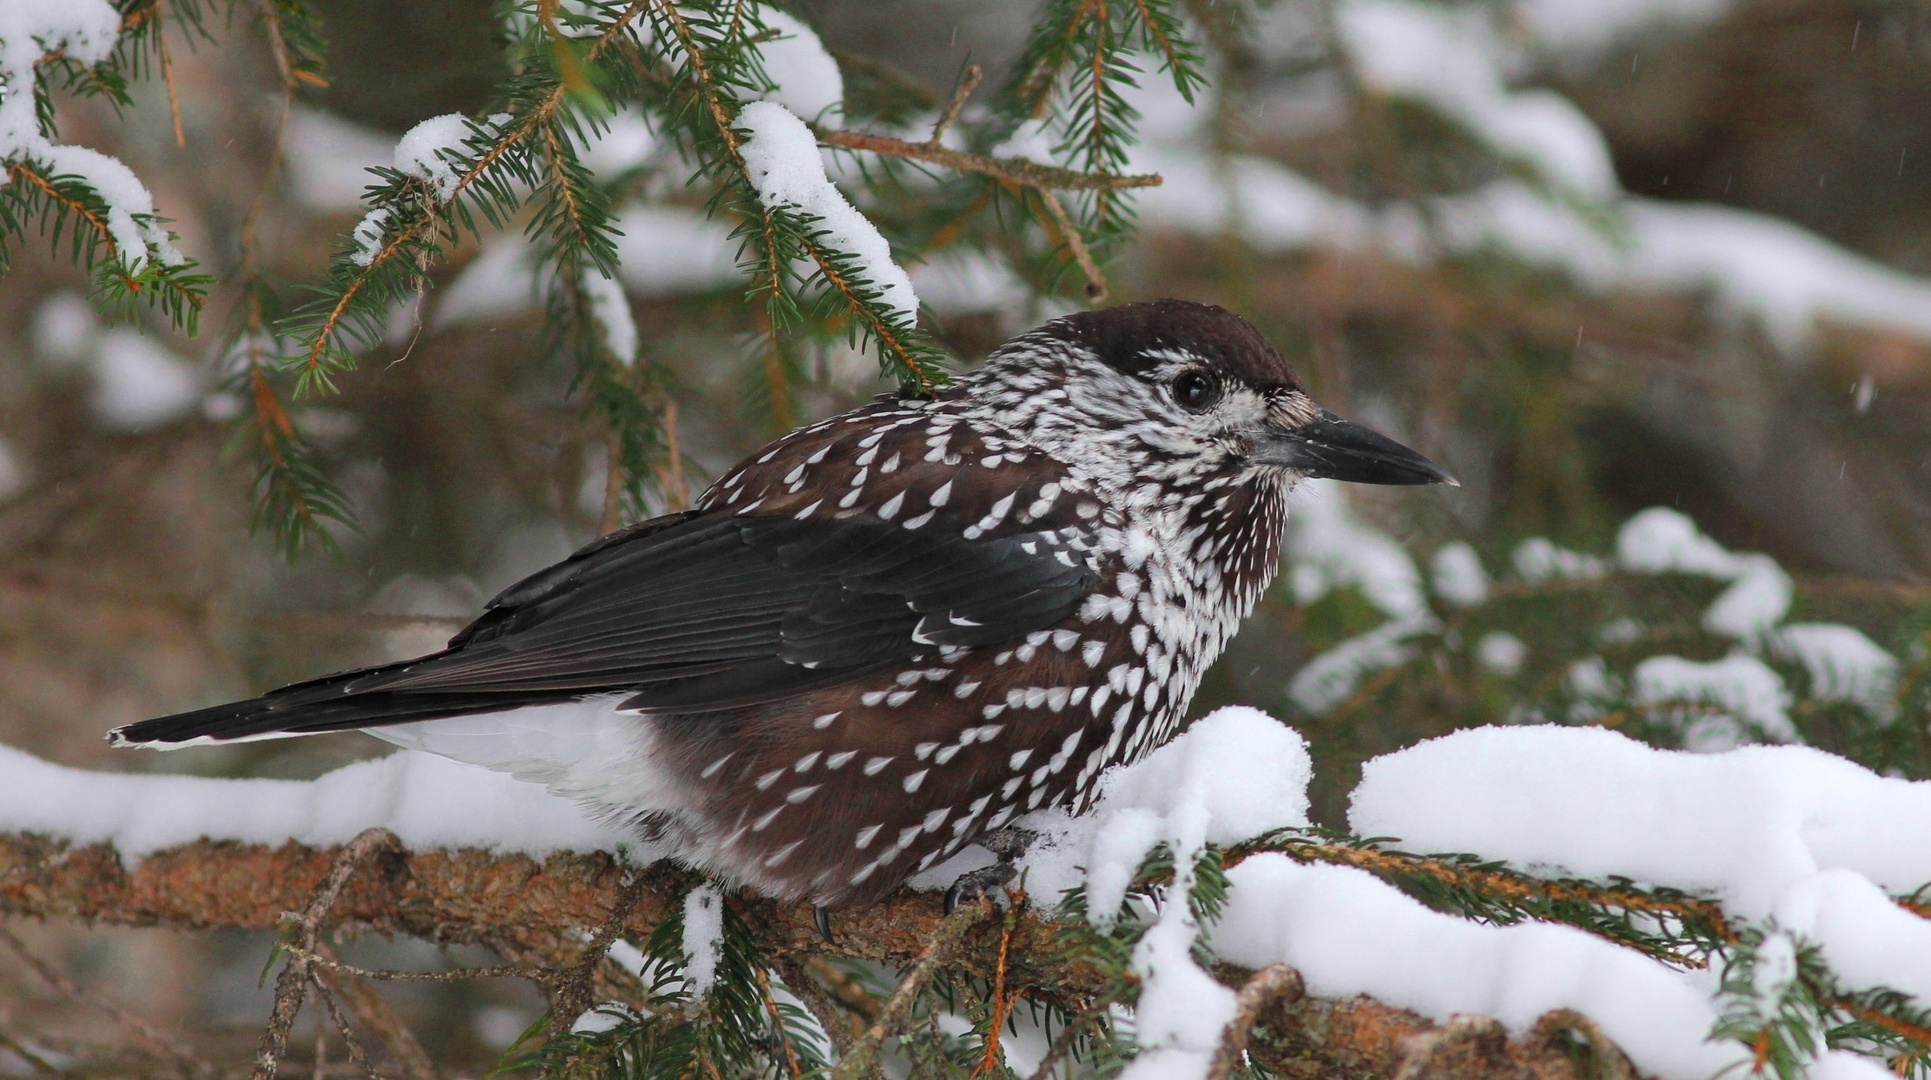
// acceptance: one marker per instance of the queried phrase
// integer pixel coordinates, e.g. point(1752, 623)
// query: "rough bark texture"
point(537, 910)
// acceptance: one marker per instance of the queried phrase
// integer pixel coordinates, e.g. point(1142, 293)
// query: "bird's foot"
point(974, 884)
point(821, 918)
point(1008, 843)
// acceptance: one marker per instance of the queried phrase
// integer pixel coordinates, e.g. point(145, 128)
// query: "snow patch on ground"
point(139, 385)
point(329, 158)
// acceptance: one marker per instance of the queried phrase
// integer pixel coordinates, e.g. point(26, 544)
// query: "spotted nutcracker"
point(895, 630)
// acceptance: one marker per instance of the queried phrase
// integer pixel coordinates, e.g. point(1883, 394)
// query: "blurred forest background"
point(1773, 384)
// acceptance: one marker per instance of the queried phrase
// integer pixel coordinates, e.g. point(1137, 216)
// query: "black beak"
point(1328, 446)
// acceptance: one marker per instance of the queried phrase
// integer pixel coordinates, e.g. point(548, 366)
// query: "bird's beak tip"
point(1338, 449)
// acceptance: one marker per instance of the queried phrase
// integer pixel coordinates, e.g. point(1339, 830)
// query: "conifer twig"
point(968, 82)
point(167, 76)
point(1016, 171)
point(1273, 983)
point(1075, 243)
point(291, 985)
point(573, 995)
point(864, 1051)
point(181, 1052)
point(378, 1016)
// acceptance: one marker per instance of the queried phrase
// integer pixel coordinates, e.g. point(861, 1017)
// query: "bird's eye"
point(1195, 390)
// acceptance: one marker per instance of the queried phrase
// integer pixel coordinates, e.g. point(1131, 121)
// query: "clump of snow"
point(964, 281)
point(627, 142)
point(367, 236)
point(1233, 774)
point(139, 384)
point(1501, 653)
point(1452, 59)
point(1660, 540)
point(1239, 770)
point(703, 937)
point(499, 283)
point(426, 800)
point(805, 78)
point(65, 330)
point(329, 158)
point(611, 309)
point(1740, 684)
point(1458, 575)
point(1867, 939)
point(1539, 559)
point(1843, 665)
point(1330, 547)
point(781, 156)
point(668, 250)
point(431, 150)
point(1588, 26)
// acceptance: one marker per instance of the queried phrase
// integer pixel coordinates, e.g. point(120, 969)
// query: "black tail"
point(329, 703)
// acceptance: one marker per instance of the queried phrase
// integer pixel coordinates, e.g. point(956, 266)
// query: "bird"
point(893, 632)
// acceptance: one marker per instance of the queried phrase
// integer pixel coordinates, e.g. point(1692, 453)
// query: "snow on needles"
point(781, 156)
point(1233, 774)
point(86, 32)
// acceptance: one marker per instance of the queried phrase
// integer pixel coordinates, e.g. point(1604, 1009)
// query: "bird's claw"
point(974, 884)
point(821, 918)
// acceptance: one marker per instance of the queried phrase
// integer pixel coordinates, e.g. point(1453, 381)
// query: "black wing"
point(693, 613)
point(711, 601)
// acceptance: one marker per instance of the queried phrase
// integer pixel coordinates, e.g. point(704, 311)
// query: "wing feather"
point(712, 611)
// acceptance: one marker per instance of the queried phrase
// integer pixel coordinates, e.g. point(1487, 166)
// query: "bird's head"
point(1186, 392)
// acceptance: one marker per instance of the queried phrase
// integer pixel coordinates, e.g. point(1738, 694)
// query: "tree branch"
point(1016, 171)
point(529, 907)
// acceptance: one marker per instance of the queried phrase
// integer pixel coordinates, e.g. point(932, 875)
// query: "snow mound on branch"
point(428, 801)
point(806, 78)
point(1348, 932)
point(1843, 665)
point(1748, 824)
point(1237, 773)
point(1453, 60)
point(781, 156)
point(669, 250)
point(1238, 770)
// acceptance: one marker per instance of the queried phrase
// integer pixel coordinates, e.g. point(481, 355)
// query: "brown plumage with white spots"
point(892, 631)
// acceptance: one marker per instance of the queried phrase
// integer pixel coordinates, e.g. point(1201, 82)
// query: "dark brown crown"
point(1131, 337)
